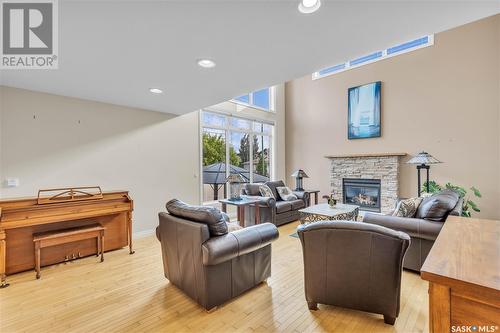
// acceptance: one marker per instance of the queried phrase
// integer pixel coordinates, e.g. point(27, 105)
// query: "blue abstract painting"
point(364, 111)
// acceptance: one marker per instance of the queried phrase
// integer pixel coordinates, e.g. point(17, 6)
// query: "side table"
point(315, 192)
point(240, 205)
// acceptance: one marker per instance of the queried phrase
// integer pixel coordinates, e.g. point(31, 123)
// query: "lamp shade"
point(423, 158)
point(235, 178)
point(299, 174)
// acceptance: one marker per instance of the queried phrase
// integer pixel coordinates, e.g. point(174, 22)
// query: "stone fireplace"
point(370, 181)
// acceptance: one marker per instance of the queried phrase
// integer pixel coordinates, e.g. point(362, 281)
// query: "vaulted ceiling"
point(114, 51)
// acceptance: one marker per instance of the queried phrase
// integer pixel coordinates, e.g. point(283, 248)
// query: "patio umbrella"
point(215, 176)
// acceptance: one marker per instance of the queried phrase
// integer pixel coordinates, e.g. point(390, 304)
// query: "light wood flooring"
point(128, 293)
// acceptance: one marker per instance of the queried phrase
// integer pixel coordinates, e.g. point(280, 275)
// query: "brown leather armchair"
point(353, 265)
point(212, 269)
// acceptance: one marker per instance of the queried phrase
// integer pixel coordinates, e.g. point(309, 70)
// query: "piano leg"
point(129, 231)
point(3, 255)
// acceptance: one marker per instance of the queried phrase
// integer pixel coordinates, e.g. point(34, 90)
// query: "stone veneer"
point(369, 166)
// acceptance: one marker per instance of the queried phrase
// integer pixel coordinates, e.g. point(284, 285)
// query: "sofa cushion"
point(252, 189)
point(283, 206)
point(298, 204)
point(273, 185)
point(438, 206)
point(265, 191)
point(211, 216)
point(286, 193)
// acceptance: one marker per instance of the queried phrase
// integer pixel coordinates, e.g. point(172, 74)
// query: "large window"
point(233, 145)
point(262, 99)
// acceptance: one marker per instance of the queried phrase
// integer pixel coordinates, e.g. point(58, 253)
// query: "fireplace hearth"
point(362, 192)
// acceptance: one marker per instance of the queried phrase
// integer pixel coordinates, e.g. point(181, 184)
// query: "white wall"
point(51, 141)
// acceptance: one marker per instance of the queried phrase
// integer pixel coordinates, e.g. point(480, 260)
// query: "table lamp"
point(298, 175)
point(235, 180)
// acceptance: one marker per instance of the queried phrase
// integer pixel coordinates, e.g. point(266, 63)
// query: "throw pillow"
point(407, 207)
point(233, 226)
point(438, 206)
point(285, 193)
point(265, 191)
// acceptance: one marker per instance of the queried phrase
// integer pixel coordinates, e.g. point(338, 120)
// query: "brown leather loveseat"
point(206, 261)
point(274, 209)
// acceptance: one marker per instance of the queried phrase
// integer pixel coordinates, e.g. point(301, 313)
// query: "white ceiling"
point(114, 51)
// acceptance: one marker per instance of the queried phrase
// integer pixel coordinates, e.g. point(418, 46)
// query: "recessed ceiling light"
point(309, 6)
point(206, 63)
point(156, 90)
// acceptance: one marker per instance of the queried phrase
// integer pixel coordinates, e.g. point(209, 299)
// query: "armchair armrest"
point(263, 201)
point(223, 248)
point(302, 195)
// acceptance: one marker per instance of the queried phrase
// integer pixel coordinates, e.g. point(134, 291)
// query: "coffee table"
point(323, 212)
point(240, 205)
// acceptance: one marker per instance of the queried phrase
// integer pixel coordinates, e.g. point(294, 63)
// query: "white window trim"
point(227, 130)
point(272, 101)
point(317, 75)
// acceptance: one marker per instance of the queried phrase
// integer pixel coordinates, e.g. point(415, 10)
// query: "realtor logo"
point(29, 34)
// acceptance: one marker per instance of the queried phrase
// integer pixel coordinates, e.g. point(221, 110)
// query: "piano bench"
point(57, 237)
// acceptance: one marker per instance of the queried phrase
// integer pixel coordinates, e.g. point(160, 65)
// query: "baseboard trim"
point(144, 233)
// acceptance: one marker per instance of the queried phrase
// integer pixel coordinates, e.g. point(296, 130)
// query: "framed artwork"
point(363, 120)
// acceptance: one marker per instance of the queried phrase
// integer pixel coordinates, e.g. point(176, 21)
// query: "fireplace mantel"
point(366, 155)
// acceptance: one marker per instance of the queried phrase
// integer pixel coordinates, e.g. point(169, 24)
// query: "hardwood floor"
point(128, 293)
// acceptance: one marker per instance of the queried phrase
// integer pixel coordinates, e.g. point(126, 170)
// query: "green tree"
point(245, 147)
point(262, 166)
point(214, 151)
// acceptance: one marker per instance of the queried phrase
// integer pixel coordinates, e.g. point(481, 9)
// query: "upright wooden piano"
point(20, 218)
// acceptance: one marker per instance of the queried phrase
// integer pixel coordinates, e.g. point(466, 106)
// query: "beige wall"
point(51, 141)
point(443, 99)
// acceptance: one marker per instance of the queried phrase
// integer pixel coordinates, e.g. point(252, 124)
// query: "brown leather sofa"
point(206, 261)
point(424, 227)
point(274, 210)
point(353, 265)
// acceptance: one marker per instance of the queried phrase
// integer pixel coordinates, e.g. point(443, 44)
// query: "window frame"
point(272, 98)
point(346, 65)
point(228, 129)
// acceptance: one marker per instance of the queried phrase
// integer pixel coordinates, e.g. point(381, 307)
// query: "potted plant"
point(331, 200)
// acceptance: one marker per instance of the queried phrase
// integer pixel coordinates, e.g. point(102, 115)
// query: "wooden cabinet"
point(463, 270)
point(20, 218)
